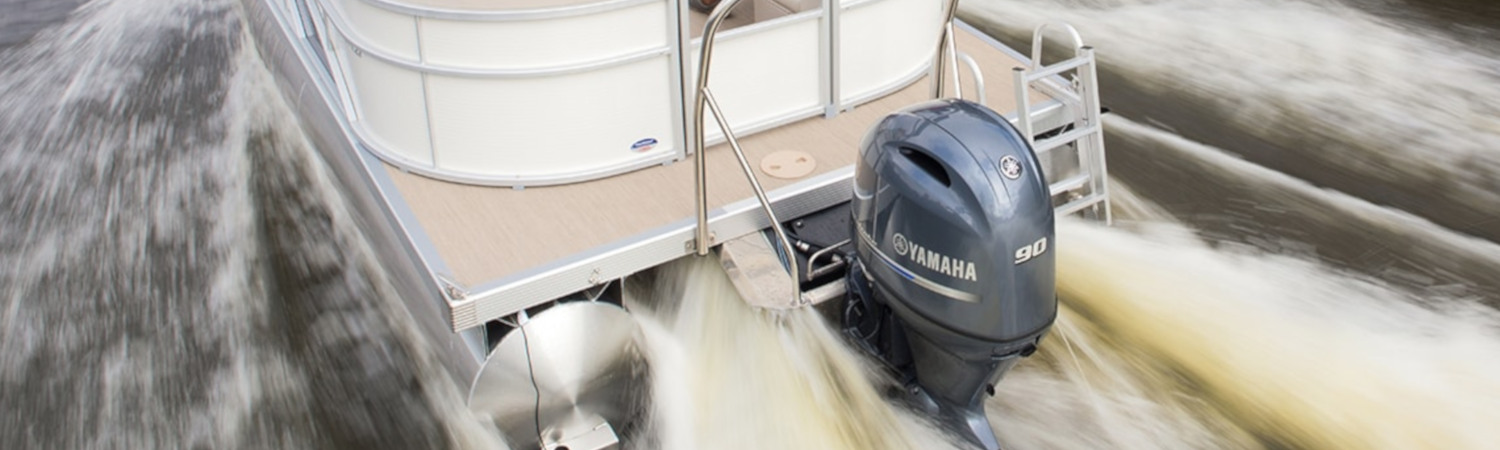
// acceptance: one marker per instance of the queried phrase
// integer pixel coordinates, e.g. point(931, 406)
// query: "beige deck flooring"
point(486, 233)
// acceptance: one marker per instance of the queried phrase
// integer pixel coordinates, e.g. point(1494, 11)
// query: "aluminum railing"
point(703, 97)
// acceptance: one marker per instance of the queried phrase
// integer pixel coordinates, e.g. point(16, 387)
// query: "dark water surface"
point(1471, 22)
point(20, 19)
point(175, 270)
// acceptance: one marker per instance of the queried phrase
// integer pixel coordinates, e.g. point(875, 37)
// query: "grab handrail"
point(700, 167)
point(1036, 42)
point(945, 46)
point(705, 98)
point(978, 75)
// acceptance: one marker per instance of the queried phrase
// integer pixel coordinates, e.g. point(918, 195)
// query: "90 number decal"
point(1036, 249)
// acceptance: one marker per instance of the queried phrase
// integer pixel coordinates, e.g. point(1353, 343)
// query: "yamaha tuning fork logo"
point(899, 242)
point(1010, 167)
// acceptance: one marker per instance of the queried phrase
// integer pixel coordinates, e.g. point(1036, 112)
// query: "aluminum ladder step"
point(1081, 94)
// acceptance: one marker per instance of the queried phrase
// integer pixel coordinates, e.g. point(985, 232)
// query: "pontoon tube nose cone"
point(587, 369)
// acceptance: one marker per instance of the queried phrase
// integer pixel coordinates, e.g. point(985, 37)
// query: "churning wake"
point(1164, 341)
point(1283, 313)
point(733, 377)
point(1318, 320)
point(1296, 353)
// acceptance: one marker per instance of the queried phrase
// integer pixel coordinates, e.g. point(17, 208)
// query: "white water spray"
point(1295, 352)
point(732, 377)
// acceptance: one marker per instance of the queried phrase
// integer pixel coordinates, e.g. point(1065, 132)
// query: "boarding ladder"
point(1079, 178)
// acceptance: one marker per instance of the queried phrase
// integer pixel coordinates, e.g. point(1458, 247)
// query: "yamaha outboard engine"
point(953, 280)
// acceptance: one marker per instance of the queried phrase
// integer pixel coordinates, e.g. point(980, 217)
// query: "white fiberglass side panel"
point(551, 127)
point(391, 107)
point(394, 33)
point(764, 76)
point(545, 43)
point(885, 41)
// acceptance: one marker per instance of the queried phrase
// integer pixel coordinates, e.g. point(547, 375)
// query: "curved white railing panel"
point(548, 97)
point(875, 55)
point(766, 76)
point(545, 43)
point(558, 127)
point(552, 99)
point(499, 10)
point(391, 106)
point(394, 33)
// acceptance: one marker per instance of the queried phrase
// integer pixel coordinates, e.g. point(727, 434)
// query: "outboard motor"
point(953, 278)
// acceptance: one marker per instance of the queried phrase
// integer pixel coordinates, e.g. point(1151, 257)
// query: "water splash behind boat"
point(750, 379)
point(1295, 353)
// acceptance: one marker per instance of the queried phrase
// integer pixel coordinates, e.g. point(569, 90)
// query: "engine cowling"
point(953, 225)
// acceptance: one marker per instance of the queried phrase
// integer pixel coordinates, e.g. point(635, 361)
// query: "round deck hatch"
point(788, 164)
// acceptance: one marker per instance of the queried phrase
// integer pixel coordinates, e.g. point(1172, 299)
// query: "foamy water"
point(1164, 341)
point(742, 378)
point(1294, 352)
point(1182, 343)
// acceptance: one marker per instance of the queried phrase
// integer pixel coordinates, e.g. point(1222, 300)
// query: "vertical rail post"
point(700, 171)
point(1089, 77)
point(945, 44)
point(1023, 105)
point(828, 29)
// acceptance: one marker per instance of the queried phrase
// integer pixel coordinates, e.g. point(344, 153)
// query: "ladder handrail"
point(705, 98)
point(1036, 42)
